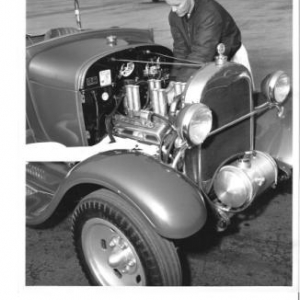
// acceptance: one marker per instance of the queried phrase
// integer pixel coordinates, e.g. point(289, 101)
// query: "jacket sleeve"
point(206, 36)
point(180, 49)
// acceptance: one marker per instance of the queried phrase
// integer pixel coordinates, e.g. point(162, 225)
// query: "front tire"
point(116, 245)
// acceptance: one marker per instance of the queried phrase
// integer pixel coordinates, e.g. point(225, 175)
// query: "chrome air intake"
point(237, 184)
point(138, 124)
point(133, 101)
point(150, 124)
point(154, 84)
point(159, 101)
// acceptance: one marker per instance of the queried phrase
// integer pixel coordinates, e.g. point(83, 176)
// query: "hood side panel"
point(61, 115)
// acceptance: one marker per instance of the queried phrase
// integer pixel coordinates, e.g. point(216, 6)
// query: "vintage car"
point(169, 155)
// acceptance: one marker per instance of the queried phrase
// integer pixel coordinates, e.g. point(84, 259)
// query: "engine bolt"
point(124, 245)
point(131, 263)
point(114, 242)
point(127, 268)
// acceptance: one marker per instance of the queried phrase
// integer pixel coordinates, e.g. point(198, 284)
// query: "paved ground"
point(257, 250)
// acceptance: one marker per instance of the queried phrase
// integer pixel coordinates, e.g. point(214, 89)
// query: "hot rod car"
point(178, 152)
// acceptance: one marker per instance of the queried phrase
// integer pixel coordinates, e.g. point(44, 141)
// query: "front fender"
point(273, 134)
point(171, 203)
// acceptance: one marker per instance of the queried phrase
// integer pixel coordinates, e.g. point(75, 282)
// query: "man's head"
point(181, 7)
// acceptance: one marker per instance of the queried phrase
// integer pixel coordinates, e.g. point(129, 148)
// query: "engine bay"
point(124, 94)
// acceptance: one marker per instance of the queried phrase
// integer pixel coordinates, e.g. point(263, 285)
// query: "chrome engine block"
point(139, 128)
point(148, 125)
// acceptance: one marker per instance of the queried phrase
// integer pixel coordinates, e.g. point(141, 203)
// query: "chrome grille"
point(227, 102)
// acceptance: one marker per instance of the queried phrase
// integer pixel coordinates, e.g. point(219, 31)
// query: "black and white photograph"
point(161, 146)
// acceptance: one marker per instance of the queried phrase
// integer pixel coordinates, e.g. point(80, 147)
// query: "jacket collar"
point(196, 3)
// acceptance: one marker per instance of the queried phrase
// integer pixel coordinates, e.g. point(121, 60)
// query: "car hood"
point(57, 62)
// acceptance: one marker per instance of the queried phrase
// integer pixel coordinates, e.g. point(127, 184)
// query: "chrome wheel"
point(110, 255)
point(116, 244)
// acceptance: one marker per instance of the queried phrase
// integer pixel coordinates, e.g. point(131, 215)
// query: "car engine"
point(150, 123)
point(128, 95)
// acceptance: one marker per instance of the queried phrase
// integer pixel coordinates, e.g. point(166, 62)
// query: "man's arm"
point(180, 49)
point(206, 37)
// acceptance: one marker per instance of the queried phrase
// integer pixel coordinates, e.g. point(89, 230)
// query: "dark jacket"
point(197, 37)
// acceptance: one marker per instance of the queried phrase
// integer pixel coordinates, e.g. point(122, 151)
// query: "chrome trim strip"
point(257, 110)
point(196, 84)
point(249, 79)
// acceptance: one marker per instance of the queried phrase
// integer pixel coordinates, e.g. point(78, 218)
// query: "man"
point(197, 27)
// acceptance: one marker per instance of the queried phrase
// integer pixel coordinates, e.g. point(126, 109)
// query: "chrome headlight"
point(194, 123)
point(276, 87)
point(236, 185)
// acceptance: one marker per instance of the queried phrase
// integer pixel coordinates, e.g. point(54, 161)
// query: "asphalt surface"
point(257, 248)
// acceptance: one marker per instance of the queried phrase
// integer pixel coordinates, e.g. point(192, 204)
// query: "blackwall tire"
point(117, 246)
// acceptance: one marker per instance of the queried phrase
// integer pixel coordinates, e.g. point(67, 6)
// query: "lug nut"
point(124, 245)
point(131, 263)
point(114, 242)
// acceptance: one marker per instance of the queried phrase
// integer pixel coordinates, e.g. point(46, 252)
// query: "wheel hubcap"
point(111, 257)
point(121, 257)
